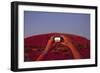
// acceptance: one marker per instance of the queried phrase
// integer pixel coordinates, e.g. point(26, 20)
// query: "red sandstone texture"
point(34, 46)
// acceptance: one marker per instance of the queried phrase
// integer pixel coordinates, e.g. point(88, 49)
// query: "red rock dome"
point(34, 46)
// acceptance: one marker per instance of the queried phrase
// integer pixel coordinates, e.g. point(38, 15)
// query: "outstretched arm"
point(67, 42)
point(49, 44)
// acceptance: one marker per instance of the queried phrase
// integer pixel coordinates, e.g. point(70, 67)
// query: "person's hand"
point(68, 43)
point(66, 40)
point(47, 48)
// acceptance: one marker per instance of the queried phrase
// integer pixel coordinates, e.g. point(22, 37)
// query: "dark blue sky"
point(46, 22)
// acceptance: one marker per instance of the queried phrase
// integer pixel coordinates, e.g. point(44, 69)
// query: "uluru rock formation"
point(35, 46)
